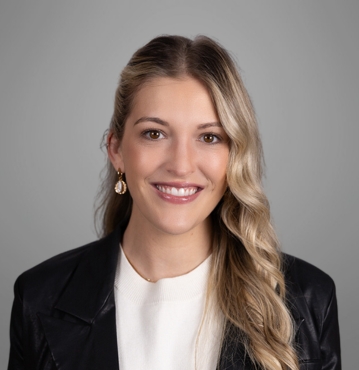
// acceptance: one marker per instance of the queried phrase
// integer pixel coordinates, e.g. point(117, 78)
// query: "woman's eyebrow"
point(165, 123)
point(209, 124)
point(152, 119)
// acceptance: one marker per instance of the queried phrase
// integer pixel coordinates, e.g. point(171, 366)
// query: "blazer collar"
point(93, 280)
point(81, 328)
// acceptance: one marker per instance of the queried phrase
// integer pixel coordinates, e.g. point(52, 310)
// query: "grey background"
point(60, 62)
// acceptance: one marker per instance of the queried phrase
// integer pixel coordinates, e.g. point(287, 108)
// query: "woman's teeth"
point(177, 192)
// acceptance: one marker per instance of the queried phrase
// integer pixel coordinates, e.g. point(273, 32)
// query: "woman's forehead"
point(186, 96)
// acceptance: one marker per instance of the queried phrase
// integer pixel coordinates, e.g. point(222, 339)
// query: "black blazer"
point(63, 316)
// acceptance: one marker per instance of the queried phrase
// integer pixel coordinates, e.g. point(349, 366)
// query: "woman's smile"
point(177, 193)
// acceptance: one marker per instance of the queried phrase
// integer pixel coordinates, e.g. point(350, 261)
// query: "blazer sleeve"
point(330, 339)
point(16, 360)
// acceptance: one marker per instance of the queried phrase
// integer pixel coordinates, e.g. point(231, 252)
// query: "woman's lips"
point(178, 193)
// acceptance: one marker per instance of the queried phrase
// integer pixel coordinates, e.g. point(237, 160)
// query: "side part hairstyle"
point(246, 276)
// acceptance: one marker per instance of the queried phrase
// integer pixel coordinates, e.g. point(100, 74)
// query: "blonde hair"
point(246, 277)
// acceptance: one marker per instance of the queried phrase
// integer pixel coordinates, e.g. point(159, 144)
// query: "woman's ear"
point(114, 152)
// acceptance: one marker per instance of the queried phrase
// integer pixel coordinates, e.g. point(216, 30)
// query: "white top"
point(157, 323)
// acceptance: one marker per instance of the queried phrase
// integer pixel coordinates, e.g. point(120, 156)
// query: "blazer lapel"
point(81, 330)
point(303, 318)
point(233, 354)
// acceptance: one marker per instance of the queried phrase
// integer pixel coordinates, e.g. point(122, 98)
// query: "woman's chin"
point(177, 228)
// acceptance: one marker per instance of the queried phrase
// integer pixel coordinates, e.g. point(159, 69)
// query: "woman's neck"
point(156, 255)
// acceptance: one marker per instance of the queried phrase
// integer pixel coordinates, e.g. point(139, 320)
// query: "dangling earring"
point(120, 187)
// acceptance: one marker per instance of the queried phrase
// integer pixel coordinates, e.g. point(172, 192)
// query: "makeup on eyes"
point(154, 134)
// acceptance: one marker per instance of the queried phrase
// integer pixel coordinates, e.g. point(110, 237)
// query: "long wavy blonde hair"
point(246, 276)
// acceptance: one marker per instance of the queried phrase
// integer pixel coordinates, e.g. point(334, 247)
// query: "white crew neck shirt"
point(157, 323)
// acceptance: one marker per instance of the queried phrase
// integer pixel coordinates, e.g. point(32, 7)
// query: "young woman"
point(188, 274)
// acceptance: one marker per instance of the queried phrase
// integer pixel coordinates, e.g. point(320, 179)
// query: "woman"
point(188, 274)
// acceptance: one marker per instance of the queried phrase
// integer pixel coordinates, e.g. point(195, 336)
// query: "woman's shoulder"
point(304, 273)
point(304, 280)
point(312, 301)
point(50, 277)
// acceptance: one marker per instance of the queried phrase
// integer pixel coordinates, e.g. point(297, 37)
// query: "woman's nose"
point(181, 158)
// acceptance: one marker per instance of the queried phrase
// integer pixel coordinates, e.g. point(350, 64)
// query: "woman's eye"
point(153, 134)
point(210, 138)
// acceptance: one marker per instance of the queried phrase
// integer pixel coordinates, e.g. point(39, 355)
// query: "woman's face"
point(174, 153)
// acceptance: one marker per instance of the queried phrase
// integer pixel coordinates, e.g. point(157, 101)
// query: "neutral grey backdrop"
point(59, 65)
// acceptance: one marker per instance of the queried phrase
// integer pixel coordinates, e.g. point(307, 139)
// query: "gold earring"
point(120, 187)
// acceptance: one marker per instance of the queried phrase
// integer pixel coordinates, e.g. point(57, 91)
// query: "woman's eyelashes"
point(211, 138)
point(208, 137)
point(153, 134)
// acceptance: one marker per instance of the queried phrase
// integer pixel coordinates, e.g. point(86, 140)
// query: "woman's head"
point(174, 153)
point(203, 59)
